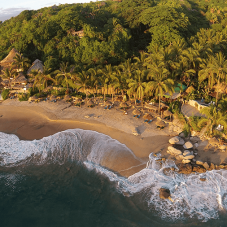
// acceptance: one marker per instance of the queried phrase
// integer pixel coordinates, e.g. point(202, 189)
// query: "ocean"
point(60, 181)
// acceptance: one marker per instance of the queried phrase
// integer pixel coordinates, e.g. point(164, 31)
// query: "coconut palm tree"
point(219, 67)
point(41, 79)
point(64, 75)
point(9, 73)
point(160, 83)
point(137, 85)
point(83, 79)
point(21, 62)
point(213, 118)
point(95, 78)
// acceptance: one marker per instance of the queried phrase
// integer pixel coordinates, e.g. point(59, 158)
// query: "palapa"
point(167, 113)
point(136, 112)
point(124, 105)
point(36, 66)
point(33, 98)
point(10, 57)
point(190, 89)
point(67, 97)
point(160, 123)
point(53, 97)
point(90, 103)
point(19, 79)
point(148, 116)
point(108, 103)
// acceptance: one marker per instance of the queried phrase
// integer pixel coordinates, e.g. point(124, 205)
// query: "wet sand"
point(36, 122)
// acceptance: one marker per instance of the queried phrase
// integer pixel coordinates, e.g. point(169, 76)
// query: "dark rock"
point(212, 166)
point(164, 193)
point(184, 168)
point(199, 169)
point(202, 179)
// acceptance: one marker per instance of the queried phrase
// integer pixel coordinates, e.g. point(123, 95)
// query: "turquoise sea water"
point(54, 182)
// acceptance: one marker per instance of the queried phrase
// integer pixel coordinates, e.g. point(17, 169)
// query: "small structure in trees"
point(37, 65)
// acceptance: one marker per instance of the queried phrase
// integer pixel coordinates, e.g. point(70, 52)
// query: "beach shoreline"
point(31, 121)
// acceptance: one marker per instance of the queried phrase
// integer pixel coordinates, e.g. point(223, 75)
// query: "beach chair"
point(135, 116)
point(146, 120)
point(138, 116)
point(105, 107)
point(109, 107)
point(149, 121)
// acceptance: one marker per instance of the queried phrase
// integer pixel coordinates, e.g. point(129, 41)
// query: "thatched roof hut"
point(148, 116)
point(20, 79)
point(136, 112)
point(90, 103)
point(221, 88)
point(167, 113)
point(190, 89)
point(33, 98)
point(124, 105)
point(9, 59)
point(160, 123)
point(108, 103)
point(36, 66)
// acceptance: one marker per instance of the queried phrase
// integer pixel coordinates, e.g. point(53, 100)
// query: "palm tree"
point(160, 83)
point(213, 118)
point(127, 68)
point(21, 62)
point(137, 85)
point(83, 78)
point(64, 75)
point(42, 79)
point(219, 67)
point(9, 73)
point(95, 78)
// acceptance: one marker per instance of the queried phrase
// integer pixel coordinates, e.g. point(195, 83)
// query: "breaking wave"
point(192, 198)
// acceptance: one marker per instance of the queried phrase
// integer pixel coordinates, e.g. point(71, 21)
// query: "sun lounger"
point(105, 107)
point(138, 116)
point(149, 121)
point(135, 116)
point(109, 107)
point(145, 120)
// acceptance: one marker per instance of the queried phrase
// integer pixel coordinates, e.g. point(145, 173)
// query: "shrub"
point(5, 94)
point(194, 123)
point(23, 96)
point(58, 92)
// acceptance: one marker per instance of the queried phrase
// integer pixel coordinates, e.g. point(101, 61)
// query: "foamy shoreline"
point(37, 120)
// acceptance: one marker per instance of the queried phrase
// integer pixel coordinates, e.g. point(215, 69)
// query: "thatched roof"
point(33, 98)
point(151, 107)
point(19, 79)
point(167, 113)
point(36, 66)
point(9, 58)
point(108, 103)
point(190, 89)
point(136, 112)
point(160, 123)
point(67, 97)
point(90, 103)
point(148, 116)
point(18, 86)
point(124, 104)
point(222, 88)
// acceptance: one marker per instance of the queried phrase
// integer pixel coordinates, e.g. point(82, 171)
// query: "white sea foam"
point(191, 196)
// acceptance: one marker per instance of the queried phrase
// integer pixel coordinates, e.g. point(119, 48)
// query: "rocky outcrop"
point(184, 168)
point(164, 193)
point(199, 169)
point(188, 145)
point(173, 151)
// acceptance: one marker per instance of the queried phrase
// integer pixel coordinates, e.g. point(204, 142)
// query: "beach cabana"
point(160, 124)
point(8, 60)
point(36, 66)
point(90, 103)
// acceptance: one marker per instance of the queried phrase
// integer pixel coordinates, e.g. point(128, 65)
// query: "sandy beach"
point(31, 121)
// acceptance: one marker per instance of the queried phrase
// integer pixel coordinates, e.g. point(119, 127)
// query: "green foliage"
point(175, 106)
point(5, 94)
point(186, 129)
point(193, 121)
point(23, 96)
point(58, 92)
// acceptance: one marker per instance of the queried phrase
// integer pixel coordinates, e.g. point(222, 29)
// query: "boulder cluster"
point(185, 156)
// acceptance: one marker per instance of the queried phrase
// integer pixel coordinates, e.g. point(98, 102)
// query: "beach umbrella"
point(136, 112)
point(160, 123)
point(90, 103)
point(148, 116)
point(190, 89)
point(124, 105)
point(108, 103)
point(52, 97)
point(167, 113)
point(67, 97)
